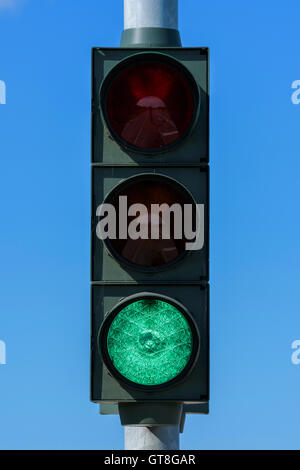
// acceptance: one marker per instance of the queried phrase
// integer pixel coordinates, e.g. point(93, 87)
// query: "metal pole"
point(162, 14)
point(150, 23)
point(151, 14)
point(151, 438)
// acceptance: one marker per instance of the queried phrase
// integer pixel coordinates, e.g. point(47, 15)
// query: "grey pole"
point(151, 14)
point(151, 438)
point(151, 22)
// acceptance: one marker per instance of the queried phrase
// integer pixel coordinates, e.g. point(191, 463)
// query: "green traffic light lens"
point(150, 342)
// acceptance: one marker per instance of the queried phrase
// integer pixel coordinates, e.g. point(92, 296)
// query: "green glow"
point(150, 342)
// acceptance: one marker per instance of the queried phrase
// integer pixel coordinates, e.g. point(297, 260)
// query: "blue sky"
point(45, 50)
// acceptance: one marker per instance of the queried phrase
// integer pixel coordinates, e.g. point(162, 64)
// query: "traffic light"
point(150, 232)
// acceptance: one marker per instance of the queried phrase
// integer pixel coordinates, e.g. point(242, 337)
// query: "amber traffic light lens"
point(150, 103)
point(151, 191)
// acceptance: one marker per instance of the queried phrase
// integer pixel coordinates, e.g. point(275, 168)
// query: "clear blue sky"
point(45, 48)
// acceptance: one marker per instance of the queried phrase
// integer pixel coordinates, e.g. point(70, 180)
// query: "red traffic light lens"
point(150, 102)
point(150, 190)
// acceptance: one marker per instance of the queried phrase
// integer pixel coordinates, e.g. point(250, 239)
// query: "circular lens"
point(154, 236)
point(150, 342)
point(150, 103)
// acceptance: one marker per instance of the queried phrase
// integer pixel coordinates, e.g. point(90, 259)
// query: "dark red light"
point(150, 104)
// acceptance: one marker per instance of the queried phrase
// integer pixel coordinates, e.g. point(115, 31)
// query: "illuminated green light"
point(150, 342)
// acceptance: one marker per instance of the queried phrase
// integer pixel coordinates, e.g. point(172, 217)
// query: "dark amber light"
point(148, 190)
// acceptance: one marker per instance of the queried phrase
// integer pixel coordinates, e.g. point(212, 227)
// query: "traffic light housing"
point(149, 293)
